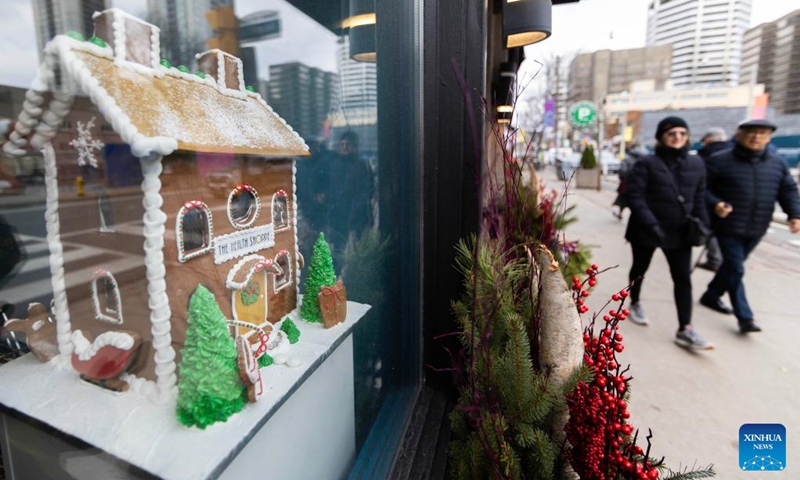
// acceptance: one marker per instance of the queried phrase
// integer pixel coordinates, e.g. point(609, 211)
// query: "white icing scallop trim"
point(249, 223)
point(63, 325)
point(86, 350)
point(221, 74)
point(233, 285)
point(160, 313)
point(240, 74)
point(294, 223)
point(118, 28)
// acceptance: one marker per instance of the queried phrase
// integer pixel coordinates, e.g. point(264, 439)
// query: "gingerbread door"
point(250, 302)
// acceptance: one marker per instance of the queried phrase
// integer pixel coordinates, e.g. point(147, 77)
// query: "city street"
point(695, 402)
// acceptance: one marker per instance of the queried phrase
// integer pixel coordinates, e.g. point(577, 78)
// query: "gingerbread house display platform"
point(210, 163)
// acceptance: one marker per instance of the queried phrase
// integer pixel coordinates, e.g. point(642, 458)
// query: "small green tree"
point(209, 388)
point(290, 329)
point(588, 160)
point(320, 273)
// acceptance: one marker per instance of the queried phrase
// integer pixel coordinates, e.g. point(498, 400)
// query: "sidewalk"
point(695, 402)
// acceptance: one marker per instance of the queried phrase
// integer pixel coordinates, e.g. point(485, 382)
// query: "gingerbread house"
point(173, 178)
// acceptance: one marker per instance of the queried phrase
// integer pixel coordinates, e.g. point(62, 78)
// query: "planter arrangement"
point(542, 393)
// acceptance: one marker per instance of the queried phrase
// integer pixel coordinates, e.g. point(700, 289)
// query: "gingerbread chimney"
point(224, 67)
point(131, 39)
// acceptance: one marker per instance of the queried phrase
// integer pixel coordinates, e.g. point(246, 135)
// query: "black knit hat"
point(668, 124)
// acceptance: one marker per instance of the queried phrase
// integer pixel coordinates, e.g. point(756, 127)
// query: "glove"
point(657, 232)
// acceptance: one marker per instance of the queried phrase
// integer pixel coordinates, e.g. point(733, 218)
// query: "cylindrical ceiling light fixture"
point(504, 95)
point(526, 21)
point(361, 23)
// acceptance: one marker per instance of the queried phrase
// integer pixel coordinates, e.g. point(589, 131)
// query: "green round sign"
point(582, 114)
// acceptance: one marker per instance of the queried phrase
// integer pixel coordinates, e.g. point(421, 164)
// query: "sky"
point(585, 26)
point(616, 24)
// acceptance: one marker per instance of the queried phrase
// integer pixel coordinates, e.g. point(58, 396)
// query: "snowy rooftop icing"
point(155, 108)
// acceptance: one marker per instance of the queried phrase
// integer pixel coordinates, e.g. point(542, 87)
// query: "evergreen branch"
point(694, 473)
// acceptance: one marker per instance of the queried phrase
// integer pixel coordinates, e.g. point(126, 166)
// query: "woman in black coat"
point(658, 220)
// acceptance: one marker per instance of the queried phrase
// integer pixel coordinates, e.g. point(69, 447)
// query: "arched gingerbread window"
point(280, 210)
point(194, 230)
point(106, 299)
point(244, 206)
point(283, 262)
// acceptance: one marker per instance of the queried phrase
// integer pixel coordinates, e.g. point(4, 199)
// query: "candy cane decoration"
point(262, 335)
point(248, 369)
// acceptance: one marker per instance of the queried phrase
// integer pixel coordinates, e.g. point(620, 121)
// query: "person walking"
point(661, 190)
point(625, 167)
point(743, 185)
point(714, 141)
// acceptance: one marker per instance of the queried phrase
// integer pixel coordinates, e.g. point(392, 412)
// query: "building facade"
point(184, 27)
point(771, 53)
point(56, 17)
point(594, 75)
point(302, 95)
point(706, 38)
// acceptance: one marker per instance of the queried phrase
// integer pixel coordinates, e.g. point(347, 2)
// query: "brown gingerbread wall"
point(186, 178)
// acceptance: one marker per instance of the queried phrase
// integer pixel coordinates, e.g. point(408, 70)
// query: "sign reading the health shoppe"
point(582, 114)
point(762, 447)
point(238, 244)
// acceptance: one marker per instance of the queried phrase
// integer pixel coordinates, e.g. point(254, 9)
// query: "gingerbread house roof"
point(154, 107)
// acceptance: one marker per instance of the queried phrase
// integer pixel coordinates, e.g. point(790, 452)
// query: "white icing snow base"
point(149, 436)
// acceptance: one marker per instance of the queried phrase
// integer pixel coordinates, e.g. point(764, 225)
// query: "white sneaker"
point(637, 315)
point(689, 338)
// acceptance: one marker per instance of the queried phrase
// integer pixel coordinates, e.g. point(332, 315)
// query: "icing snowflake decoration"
point(84, 144)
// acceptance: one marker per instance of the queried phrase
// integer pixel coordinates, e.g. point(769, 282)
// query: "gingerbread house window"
point(283, 262)
point(280, 210)
point(244, 206)
point(106, 299)
point(195, 230)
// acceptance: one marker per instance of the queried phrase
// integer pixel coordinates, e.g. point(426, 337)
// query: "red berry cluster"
point(603, 443)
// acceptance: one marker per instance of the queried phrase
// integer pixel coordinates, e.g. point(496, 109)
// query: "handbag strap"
point(681, 198)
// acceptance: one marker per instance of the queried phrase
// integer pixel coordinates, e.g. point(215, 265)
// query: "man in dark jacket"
point(743, 185)
point(714, 141)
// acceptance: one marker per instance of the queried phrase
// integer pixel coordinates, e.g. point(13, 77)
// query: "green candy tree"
point(320, 274)
point(209, 389)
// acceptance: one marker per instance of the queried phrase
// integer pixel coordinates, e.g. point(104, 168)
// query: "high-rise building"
point(706, 38)
point(594, 75)
point(56, 17)
point(184, 27)
point(357, 95)
point(359, 89)
point(771, 55)
point(301, 95)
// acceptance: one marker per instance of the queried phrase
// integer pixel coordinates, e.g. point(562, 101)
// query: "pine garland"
point(503, 423)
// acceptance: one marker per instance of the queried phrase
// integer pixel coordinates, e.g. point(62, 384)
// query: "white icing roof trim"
point(59, 50)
